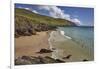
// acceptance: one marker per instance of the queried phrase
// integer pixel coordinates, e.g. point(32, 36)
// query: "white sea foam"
point(56, 52)
point(49, 40)
point(63, 33)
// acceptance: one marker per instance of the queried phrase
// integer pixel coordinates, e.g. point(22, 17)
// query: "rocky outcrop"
point(36, 60)
point(67, 57)
point(85, 60)
point(28, 23)
point(45, 51)
point(27, 28)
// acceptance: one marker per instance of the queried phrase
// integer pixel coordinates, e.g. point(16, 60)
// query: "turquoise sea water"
point(84, 36)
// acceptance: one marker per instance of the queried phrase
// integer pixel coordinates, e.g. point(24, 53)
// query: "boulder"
point(67, 57)
point(20, 61)
point(45, 51)
point(85, 60)
point(36, 60)
point(59, 61)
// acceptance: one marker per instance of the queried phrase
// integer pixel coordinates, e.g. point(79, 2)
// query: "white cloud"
point(27, 8)
point(34, 11)
point(44, 7)
point(56, 12)
point(23, 8)
point(76, 21)
point(20, 7)
point(67, 16)
point(53, 11)
point(31, 10)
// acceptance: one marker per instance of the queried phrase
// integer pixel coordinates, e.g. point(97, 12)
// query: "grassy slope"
point(22, 14)
point(28, 23)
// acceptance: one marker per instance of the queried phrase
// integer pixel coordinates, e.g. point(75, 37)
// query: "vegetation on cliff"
point(28, 23)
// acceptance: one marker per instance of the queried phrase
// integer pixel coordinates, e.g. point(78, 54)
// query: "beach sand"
point(61, 46)
point(64, 46)
point(30, 45)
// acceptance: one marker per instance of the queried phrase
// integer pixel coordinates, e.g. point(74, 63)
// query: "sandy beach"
point(64, 46)
point(61, 46)
point(30, 45)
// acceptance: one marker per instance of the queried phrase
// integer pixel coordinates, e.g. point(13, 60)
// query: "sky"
point(81, 16)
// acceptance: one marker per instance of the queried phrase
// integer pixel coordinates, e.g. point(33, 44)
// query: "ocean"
point(83, 36)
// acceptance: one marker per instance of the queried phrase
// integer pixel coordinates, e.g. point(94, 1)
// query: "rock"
point(32, 31)
point(26, 58)
point(45, 51)
point(67, 57)
point(53, 48)
point(36, 60)
point(26, 34)
point(59, 61)
point(20, 61)
point(85, 60)
point(48, 59)
point(17, 35)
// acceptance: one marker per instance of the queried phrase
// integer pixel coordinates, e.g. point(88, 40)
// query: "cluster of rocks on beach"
point(25, 60)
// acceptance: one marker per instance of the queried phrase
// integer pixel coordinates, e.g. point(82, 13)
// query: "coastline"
point(63, 46)
point(34, 49)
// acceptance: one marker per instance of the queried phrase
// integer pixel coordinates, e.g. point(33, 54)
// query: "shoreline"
point(57, 39)
point(61, 45)
point(63, 34)
point(50, 45)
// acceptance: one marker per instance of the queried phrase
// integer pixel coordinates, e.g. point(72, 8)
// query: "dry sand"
point(30, 45)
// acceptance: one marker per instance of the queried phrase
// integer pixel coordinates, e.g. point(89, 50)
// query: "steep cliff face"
point(28, 23)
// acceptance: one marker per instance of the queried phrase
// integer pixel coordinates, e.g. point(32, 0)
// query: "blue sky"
point(79, 15)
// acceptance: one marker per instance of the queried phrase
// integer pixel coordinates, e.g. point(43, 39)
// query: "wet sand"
point(30, 45)
point(64, 46)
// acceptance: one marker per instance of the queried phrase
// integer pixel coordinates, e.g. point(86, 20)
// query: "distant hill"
point(27, 22)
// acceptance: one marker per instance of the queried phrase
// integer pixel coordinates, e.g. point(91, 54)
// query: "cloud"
point(76, 21)
point(24, 8)
point(20, 7)
point(53, 11)
point(35, 11)
point(44, 7)
point(56, 12)
point(67, 17)
point(27, 8)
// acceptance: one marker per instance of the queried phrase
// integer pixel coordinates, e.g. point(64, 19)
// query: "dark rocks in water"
point(85, 60)
point(67, 57)
point(45, 51)
point(36, 60)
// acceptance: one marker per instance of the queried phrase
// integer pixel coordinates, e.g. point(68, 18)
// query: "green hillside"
point(27, 22)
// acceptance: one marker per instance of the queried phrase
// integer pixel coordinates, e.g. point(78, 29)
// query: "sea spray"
point(56, 37)
point(51, 47)
point(63, 33)
point(49, 40)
